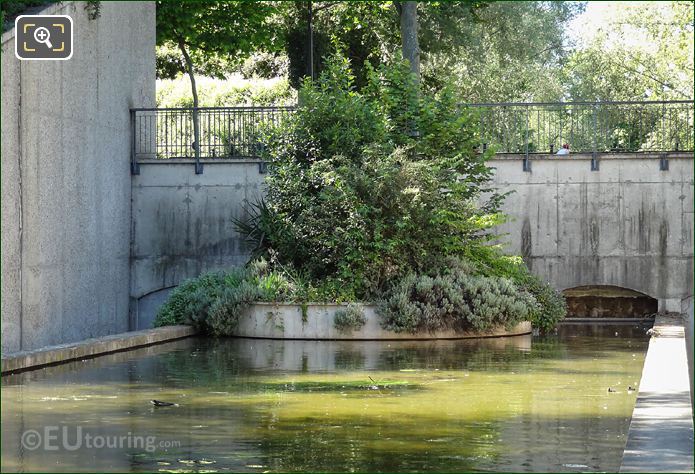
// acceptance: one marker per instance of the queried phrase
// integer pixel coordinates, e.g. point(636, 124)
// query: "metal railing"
point(522, 128)
point(587, 127)
point(223, 132)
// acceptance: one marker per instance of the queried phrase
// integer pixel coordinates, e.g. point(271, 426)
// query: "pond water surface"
point(507, 404)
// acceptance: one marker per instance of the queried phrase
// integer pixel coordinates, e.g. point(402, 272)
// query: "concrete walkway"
point(661, 431)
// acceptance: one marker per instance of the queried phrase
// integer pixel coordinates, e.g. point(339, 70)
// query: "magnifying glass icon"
point(42, 35)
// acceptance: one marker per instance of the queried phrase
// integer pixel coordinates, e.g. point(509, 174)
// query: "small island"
point(378, 212)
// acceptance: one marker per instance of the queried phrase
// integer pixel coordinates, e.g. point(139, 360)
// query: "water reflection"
point(508, 404)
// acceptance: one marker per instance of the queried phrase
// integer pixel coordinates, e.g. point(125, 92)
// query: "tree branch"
point(323, 7)
point(649, 76)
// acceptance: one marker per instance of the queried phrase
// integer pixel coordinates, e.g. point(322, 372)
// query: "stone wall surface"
point(66, 185)
point(627, 225)
point(183, 225)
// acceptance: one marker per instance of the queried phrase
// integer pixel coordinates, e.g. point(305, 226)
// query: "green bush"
point(552, 305)
point(265, 65)
point(232, 92)
point(369, 186)
point(191, 298)
point(212, 302)
point(456, 298)
point(350, 318)
point(377, 195)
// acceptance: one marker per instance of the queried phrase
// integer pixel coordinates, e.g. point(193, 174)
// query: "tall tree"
point(635, 52)
point(498, 51)
point(207, 29)
point(407, 12)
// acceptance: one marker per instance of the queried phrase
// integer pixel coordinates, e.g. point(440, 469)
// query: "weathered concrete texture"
point(289, 321)
point(689, 323)
point(65, 177)
point(660, 438)
point(91, 347)
point(183, 222)
point(628, 224)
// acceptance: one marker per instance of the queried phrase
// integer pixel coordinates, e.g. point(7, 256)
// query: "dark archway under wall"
point(605, 301)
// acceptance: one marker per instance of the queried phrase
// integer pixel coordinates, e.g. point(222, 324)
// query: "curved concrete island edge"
point(316, 321)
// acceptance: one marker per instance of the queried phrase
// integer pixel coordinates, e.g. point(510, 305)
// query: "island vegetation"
point(378, 190)
point(377, 195)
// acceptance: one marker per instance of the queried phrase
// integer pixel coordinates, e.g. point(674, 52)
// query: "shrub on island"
point(379, 195)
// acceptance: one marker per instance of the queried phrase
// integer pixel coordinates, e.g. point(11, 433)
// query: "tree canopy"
point(491, 51)
point(213, 31)
point(635, 52)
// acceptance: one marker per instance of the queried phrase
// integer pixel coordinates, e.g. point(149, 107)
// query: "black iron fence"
point(222, 132)
point(527, 128)
point(586, 127)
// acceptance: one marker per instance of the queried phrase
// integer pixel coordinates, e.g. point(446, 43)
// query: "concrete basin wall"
point(289, 321)
point(660, 438)
point(689, 324)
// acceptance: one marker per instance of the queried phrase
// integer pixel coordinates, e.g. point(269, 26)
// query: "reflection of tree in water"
point(469, 355)
point(220, 363)
point(209, 363)
point(275, 417)
point(349, 359)
point(585, 341)
point(369, 444)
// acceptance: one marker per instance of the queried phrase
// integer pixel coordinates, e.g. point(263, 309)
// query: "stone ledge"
point(19, 361)
point(648, 155)
point(660, 438)
point(289, 321)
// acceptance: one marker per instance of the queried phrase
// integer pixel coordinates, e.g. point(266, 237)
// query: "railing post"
point(663, 163)
point(527, 164)
point(663, 127)
point(196, 142)
point(594, 153)
point(134, 165)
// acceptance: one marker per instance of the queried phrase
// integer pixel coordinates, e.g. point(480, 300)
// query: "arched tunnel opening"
point(604, 301)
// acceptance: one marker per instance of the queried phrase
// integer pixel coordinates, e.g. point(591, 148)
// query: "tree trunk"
point(194, 90)
point(310, 41)
point(409, 26)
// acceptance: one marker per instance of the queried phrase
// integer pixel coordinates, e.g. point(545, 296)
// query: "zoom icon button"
point(43, 37)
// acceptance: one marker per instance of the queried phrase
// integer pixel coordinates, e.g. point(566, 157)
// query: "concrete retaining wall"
point(689, 324)
point(628, 224)
point(289, 321)
point(183, 224)
point(66, 178)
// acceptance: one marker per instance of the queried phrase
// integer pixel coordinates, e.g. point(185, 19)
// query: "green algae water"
point(507, 404)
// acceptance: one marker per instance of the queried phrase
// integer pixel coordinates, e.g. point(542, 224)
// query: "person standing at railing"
point(565, 150)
